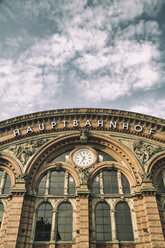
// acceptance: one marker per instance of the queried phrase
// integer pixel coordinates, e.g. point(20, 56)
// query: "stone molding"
point(134, 119)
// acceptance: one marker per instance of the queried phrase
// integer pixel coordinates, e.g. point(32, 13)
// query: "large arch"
point(69, 142)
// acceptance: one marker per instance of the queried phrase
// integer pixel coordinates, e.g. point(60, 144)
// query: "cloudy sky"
point(82, 53)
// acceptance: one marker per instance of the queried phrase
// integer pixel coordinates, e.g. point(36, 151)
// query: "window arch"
point(1, 213)
point(124, 222)
point(110, 182)
point(103, 222)
point(5, 182)
point(43, 223)
point(56, 183)
point(64, 222)
point(161, 181)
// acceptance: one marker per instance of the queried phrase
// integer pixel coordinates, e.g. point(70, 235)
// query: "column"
point(83, 194)
point(13, 223)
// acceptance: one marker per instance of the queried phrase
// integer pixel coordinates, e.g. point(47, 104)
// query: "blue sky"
point(82, 53)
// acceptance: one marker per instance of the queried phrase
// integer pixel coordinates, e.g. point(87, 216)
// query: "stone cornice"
point(95, 115)
point(39, 116)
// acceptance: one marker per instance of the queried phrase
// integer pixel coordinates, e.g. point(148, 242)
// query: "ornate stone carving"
point(84, 136)
point(58, 166)
point(21, 177)
point(146, 177)
point(83, 175)
point(24, 151)
point(145, 151)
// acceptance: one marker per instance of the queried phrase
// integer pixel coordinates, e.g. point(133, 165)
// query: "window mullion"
point(2, 185)
point(53, 234)
point(113, 224)
point(66, 183)
point(101, 183)
point(120, 187)
point(47, 183)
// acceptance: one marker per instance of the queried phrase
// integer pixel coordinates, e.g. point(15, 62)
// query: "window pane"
point(57, 182)
point(71, 185)
point(7, 185)
point(1, 213)
point(160, 183)
point(96, 185)
point(61, 157)
point(110, 182)
point(103, 222)
point(43, 224)
point(1, 173)
point(64, 225)
point(125, 184)
point(42, 186)
point(106, 157)
point(123, 222)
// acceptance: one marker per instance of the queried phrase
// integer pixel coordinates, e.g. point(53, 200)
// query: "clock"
point(84, 156)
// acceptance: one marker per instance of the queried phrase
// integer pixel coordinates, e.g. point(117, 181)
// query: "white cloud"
point(149, 106)
point(97, 52)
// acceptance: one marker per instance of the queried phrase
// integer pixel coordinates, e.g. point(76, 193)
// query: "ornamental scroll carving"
point(24, 151)
point(145, 151)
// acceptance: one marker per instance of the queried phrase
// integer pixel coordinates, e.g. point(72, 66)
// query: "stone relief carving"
point(24, 151)
point(146, 177)
point(84, 136)
point(84, 176)
point(145, 151)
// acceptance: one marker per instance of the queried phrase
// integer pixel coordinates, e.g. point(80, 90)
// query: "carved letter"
point(29, 129)
point(113, 124)
point(100, 123)
point(41, 126)
point(125, 125)
point(53, 124)
point(138, 128)
point(152, 131)
point(64, 123)
point(16, 132)
point(88, 123)
point(75, 123)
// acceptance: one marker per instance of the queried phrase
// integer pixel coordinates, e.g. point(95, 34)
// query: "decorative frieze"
point(145, 151)
point(24, 151)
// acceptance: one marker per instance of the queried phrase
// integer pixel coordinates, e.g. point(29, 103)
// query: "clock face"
point(83, 157)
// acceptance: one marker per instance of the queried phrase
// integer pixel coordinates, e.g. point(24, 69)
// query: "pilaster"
point(148, 219)
point(83, 198)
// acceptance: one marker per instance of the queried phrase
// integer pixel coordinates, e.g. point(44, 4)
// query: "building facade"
point(82, 178)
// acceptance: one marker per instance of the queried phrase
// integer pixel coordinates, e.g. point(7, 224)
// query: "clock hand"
point(82, 159)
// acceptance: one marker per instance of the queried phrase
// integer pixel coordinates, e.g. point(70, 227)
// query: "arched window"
point(56, 183)
point(124, 222)
point(108, 182)
point(102, 222)
point(43, 224)
point(96, 185)
point(5, 183)
point(71, 185)
point(125, 184)
point(42, 186)
point(64, 222)
point(1, 213)
point(161, 182)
